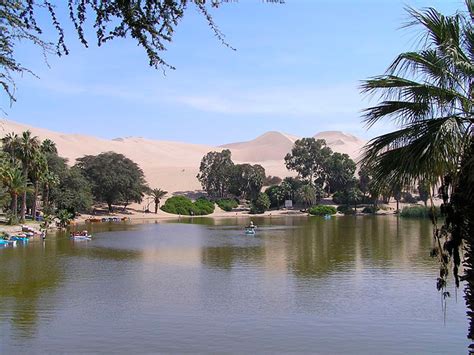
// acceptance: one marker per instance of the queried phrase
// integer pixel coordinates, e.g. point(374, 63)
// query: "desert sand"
point(173, 166)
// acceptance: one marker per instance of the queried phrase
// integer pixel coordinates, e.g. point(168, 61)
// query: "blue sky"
point(296, 69)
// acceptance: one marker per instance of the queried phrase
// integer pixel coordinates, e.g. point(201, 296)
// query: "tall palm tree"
point(10, 145)
point(16, 184)
point(49, 180)
point(429, 94)
point(157, 195)
point(28, 145)
point(38, 168)
point(48, 146)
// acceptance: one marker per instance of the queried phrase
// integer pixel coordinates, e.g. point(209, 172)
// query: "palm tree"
point(157, 195)
point(48, 146)
point(10, 145)
point(38, 168)
point(429, 94)
point(49, 179)
point(16, 184)
point(28, 145)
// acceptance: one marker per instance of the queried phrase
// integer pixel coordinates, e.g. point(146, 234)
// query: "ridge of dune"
point(271, 145)
point(342, 142)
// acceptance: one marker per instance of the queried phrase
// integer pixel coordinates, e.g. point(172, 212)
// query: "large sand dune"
point(173, 166)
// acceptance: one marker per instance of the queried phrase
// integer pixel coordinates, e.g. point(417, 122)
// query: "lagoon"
point(344, 285)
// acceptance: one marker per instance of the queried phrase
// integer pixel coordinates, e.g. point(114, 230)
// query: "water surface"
point(358, 285)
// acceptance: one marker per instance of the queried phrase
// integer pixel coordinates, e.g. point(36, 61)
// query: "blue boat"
point(250, 230)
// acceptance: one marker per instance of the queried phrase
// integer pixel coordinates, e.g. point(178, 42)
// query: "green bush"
point(346, 209)
point(261, 204)
point(203, 206)
point(322, 210)
point(184, 206)
point(418, 212)
point(227, 204)
point(370, 209)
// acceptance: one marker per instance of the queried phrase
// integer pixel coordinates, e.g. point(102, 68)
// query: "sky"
point(297, 68)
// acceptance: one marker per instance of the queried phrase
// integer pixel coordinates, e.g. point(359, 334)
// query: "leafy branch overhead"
point(151, 23)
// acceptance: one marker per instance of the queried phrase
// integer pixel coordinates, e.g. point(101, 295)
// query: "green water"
point(345, 285)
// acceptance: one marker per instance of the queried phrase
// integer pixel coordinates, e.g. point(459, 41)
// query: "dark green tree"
point(309, 195)
point(73, 193)
point(215, 173)
point(291, 186)
point(247, 180)
point(429, 94)
point(309, 158)
point(340, 170)
point(114, 178)
point(157, 195)
point(260, 204)
point(276, 193)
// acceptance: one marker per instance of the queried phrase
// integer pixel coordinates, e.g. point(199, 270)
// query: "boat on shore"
point(4, 243)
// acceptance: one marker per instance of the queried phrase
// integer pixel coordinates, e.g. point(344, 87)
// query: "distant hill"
point(342, 142)
point(268, 146)
point(173, 166)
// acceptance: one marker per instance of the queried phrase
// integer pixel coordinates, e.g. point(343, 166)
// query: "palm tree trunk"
point(23, 207)
point(14, 205)
point(46, 198)
point(23, 200)
point(156, 207)
point(35, 197)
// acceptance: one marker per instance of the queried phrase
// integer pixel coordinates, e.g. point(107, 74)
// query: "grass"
point(418, 212)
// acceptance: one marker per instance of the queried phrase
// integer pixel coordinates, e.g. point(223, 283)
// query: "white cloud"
point(339, 99)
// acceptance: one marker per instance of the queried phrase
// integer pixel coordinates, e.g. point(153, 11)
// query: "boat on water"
point(250, 230)
point(84, 235)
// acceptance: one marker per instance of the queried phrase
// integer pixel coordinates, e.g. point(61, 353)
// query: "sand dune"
point(173, 166)
point(342, 142)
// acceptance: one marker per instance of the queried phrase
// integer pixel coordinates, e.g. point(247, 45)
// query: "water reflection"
point(341, 285)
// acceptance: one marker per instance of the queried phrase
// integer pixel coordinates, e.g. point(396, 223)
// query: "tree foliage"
point(260, 204)
point(276, 194)
point(429, 94)
point(182, 205)
point(340, 172)
point(74, 192)
point(215, 173)
point(157, 195)
point(309, 158)
point(247, 180)
point(114, 178)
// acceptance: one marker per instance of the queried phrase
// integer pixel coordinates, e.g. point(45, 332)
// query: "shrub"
point(203, 206)
point(370, 209)
point(184, 206)
point(322, 210)
point(346, 209)
point(261, 204)
point(227, 204)
point(418, 212)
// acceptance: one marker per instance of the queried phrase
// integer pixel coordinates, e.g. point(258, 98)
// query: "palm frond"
point(423, 150)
